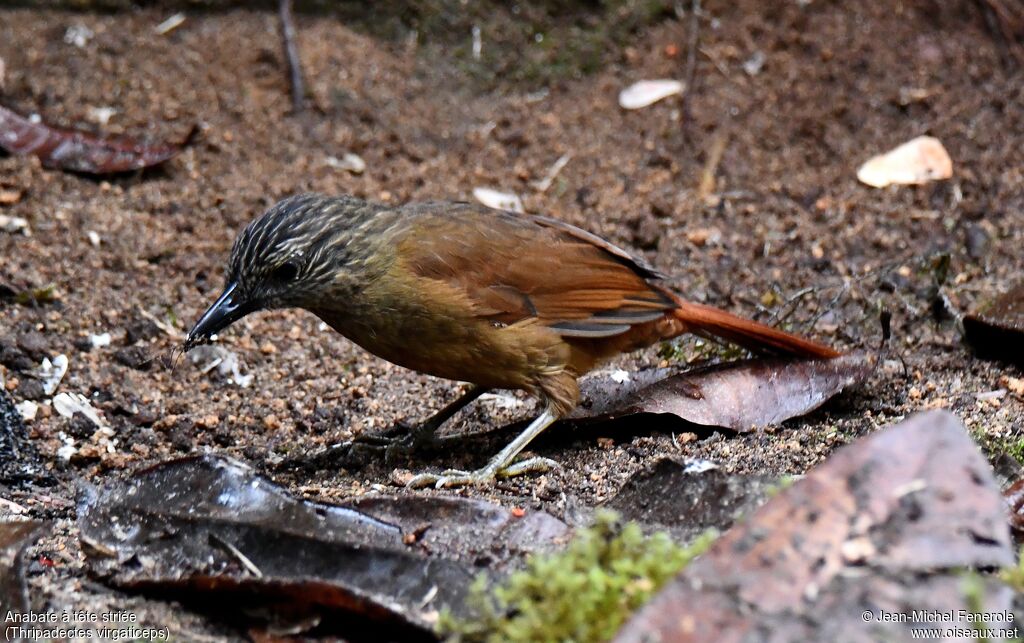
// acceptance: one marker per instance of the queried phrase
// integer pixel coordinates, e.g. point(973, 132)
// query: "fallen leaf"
point(14, 224)
point(20, 463)
point(498, 200)
point(916, 162)
point(79, 151)
point(51, 373)
point(996, 329)
point(15, 536)
point(743, 395)
point(349, 162)
point(211, 532)
point(688, 497)
point(885, 526)
point(67, 404)
point(212, 356)
point(1014, 498)
point(648, 92)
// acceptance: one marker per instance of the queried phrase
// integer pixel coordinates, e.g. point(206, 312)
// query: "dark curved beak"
point(228, 309)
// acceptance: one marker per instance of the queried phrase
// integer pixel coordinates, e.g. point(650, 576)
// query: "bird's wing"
point(514, 268)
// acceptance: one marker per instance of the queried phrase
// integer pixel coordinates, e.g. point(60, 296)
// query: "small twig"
point(239, 556)
point(291, 52)
point(694, 41)
point(691, 56)
point(171, 331)
point(707, 177)
point(545, 183)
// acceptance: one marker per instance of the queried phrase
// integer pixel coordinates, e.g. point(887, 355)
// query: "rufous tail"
point(706, 320)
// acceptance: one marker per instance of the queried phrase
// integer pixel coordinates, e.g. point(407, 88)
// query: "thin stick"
point(694, 42)
point(291, 52)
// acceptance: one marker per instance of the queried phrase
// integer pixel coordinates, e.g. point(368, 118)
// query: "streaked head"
point(287, 257)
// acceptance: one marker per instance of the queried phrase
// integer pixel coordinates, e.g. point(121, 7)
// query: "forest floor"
point(836, 84)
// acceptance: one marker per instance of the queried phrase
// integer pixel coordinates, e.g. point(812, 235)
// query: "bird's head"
point(290, 256)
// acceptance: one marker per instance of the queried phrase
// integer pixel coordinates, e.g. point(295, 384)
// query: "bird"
point(461, 291)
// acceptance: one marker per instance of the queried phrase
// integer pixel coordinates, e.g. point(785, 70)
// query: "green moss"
point(584, 593)
point(37, 296)
point(1014, 576)
point(993, 446)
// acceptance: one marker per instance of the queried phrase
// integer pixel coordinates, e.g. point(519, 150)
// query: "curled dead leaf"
point(79, 151)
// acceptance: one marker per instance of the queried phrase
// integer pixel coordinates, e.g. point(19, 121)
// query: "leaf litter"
point(80, 151)
point(211, 531)
point(743, 395)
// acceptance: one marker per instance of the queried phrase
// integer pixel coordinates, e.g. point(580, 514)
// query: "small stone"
point(35, 344)
point(140, 330)
point(1014, 385)
point(30, 388)
point(704, 236)
point(208, 421)
point(400, 477)
point(9, 196)
point(80, 427)
point(977, 241)
point(136, 357)
point(271, 423)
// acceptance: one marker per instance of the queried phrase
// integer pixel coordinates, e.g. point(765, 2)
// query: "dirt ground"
point(839, 83)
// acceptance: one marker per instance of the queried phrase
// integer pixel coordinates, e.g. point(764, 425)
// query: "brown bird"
point(468, 293)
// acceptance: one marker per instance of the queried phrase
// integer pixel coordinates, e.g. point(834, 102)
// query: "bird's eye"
point(287, 271)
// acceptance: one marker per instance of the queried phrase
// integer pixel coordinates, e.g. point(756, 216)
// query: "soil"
point(785, 221)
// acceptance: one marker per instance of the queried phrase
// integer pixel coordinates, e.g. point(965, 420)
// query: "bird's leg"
point(402, 438)
point(499, 464)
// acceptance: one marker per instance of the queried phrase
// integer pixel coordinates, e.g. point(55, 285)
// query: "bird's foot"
point(481, 477)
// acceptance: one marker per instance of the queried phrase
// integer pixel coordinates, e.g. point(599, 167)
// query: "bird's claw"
point(480, 477)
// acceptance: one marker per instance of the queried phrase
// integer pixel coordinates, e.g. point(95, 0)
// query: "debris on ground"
point(884, 527)
point(648, 92)
point(15, 537)
point(499, 200)
point(77, 150)
point(741, 395)
point(226, 362)
point(20, 462)
point(52, 373)
point(996, 329)
point(349, 162)
point(921, 160)
point(581, 594)
point(212, 532)
point(688, 497)
point(14, 224)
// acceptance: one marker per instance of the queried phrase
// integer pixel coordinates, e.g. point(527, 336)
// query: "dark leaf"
point(996, 330)
point(211, 531)
point(20, 463)
point(15, 536)
point(1014, 497)
point(886, 524)
point(76, 150)
point(743, 395)
point(687, 498)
